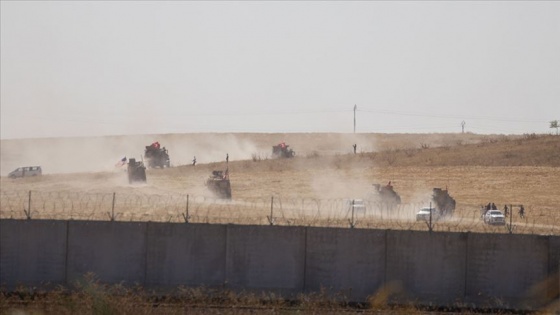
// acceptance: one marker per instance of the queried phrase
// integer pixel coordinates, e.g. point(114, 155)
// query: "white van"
point(26, 171)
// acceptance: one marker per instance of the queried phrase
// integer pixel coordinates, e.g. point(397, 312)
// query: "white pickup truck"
point(424, 214)
point(494, 217)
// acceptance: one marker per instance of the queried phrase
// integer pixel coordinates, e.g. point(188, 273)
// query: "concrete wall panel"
point(504, 270)
point(186, 254)
point(427, 267)
point(114, 251)
point(32, 252)
point(348, 261)
point(554, 270)
point(482, 270)
point(265, 258)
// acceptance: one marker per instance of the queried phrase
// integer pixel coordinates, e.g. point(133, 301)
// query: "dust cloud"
point(101, 154)
point(341, 185)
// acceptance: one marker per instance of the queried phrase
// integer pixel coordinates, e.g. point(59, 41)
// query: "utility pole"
point(355, 107)
point(463, 123)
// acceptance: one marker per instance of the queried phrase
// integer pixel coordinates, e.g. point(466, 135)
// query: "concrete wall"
point(271, 258)
point(427, 266)
point(506, 269)
point(483, 270)
point(553, 283)
point(114, 251)
point(32, 252)
point(351, 261)
point(185, 254)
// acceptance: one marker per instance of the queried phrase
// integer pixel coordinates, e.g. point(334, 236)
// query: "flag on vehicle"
point(121, 162)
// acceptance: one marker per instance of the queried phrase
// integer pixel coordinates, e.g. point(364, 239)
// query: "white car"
point(494, 217)
point(424, 214)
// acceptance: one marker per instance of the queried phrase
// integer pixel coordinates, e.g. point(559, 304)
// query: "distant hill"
point(95, 154)
point(528, 150)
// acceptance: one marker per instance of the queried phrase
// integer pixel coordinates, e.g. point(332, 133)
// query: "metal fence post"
point(510, 227)
point(430, 225)
point(352, 223)
point(112, 214)
point(28, 211)
point(186, 215)
point(271, 217)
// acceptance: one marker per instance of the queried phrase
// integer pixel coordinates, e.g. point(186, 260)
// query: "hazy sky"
point(135, 67)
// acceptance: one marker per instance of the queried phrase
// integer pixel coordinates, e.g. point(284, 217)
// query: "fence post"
point(352, 223)
point(271, 217)
point(28, 211)
point(186, 215)
point(430, 225)
point(510, 227)
point(112, 214)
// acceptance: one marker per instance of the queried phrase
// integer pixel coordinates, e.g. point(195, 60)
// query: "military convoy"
point(136, 171)
point(385, 195)
point(156, 157)
point(443, 205)
point(443, 202)
point(219, 184)
point(282, 150)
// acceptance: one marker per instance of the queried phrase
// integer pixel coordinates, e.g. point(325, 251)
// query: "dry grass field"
point(310, 189)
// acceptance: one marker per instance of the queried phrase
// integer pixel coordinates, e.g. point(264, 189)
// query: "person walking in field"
point(355, 146)
point(194, 161)
point(227, 157)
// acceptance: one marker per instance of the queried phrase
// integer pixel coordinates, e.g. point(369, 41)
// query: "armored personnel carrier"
point(219, 184)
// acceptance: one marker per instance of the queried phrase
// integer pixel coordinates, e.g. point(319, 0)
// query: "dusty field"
point(97, 154)
point(310, 189)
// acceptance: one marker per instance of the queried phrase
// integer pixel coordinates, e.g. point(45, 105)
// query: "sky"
point(95, 68)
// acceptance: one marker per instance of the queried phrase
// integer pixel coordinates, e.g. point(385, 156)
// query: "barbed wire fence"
point(273, 210)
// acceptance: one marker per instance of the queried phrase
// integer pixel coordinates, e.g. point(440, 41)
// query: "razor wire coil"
point(66, 205)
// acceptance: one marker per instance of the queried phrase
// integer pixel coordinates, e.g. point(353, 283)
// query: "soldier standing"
point(227, 158)
point(355, 146)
